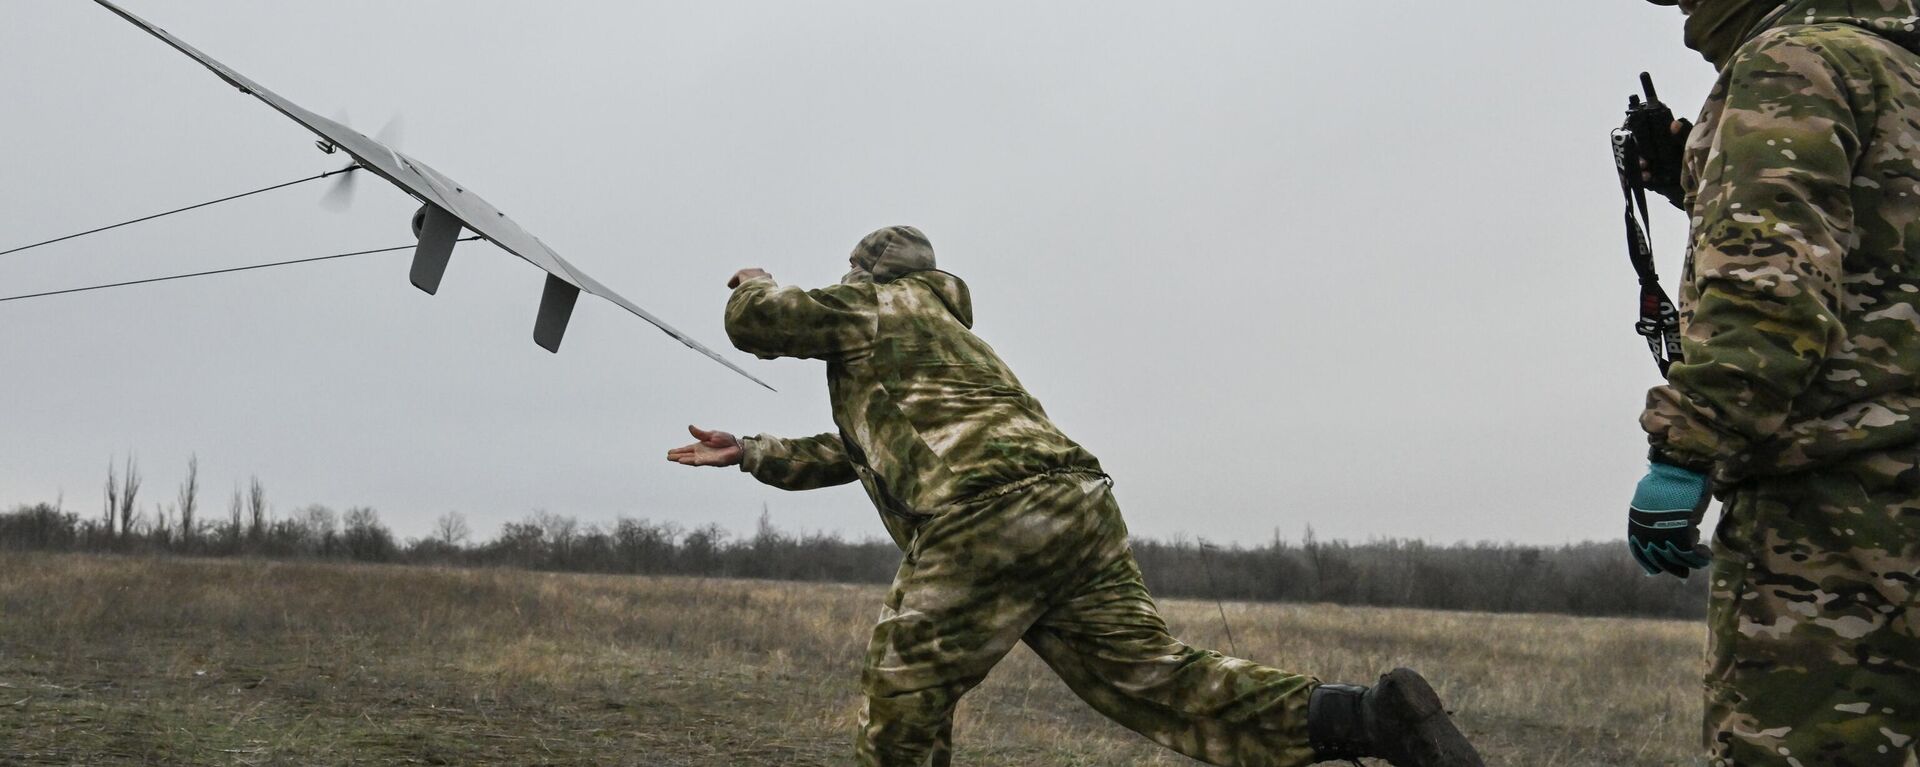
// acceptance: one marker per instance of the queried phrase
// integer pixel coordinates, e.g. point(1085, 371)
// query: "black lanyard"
point(1659, 321)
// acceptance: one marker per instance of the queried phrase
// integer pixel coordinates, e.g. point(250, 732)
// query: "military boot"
point(1400, 719)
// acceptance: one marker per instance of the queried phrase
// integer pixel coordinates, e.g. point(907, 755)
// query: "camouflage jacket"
point(1800, 303)
point(928, 415)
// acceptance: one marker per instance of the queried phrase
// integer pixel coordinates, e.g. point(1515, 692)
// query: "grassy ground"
point(108, 660)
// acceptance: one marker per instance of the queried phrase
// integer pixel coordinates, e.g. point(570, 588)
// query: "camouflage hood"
point(890, 254)
point(1716, 28)
point(901, 251)
point(951, 291)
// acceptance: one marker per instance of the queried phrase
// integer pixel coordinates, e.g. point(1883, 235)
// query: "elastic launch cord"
point(347, 169)
point(217, 271)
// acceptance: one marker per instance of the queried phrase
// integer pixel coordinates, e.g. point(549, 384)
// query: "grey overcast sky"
point(1353, 265)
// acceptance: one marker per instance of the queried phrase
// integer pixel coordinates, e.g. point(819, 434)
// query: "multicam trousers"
point(1049, 565)
point(1813, 650)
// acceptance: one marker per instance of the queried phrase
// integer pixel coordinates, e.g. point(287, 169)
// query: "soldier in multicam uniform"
point(1799, 396)
point(1011, 533)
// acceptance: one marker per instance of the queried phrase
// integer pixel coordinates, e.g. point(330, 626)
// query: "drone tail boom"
point(438, 230)
point(556, 307)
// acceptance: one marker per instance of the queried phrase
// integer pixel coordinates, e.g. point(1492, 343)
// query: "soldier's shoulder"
point(934, 292)
point(1836, 44)
point(1799, 62)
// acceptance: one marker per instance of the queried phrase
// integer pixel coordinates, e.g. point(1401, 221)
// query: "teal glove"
point(1663, 522)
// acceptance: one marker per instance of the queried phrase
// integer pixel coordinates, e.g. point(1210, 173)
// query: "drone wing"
point(447, 207)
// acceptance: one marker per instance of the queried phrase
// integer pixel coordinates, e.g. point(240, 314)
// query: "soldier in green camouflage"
point(1011, 533)
point(1798, 400)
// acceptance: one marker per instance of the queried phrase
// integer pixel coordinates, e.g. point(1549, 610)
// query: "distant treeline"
point(1591, 578)
point(1578, 579)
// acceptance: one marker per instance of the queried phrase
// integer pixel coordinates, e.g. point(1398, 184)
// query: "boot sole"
point(1434, 741)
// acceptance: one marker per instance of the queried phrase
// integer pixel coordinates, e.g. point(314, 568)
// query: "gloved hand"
point(1663, 522)
point(1662, 175)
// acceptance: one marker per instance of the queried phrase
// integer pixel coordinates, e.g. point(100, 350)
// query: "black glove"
point(1651, 145)
point(1663, 157)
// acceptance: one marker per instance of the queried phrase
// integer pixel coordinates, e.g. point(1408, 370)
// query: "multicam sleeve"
point(767, 320)
point(1770, 224)
point(797, 464)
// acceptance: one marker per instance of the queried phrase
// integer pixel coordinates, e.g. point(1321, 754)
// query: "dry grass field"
point(111, 661)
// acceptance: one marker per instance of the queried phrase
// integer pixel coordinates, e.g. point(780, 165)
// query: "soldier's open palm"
point(715, 448)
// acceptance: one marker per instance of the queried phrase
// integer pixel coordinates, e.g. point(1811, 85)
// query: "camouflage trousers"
point(1813, 652)
point(1050, 565)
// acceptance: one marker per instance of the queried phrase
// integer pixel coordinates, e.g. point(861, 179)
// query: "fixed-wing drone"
point(446, 208)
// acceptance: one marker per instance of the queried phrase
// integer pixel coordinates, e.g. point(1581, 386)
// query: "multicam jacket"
point(1801, 298)
point(928, 415)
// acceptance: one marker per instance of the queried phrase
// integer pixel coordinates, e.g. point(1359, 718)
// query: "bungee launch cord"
point(228, 198)
point(216, 271)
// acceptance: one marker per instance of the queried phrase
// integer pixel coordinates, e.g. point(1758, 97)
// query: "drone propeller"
point(339, 195)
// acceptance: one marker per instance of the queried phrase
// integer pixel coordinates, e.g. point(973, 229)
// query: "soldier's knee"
point(912, 728)
point(887, 701)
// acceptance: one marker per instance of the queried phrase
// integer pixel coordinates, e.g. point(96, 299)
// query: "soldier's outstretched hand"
point(715, 448)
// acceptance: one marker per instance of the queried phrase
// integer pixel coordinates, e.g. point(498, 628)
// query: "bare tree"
point(129, 490)
point(113, 494)
point(322, 528)
point(189, 499)
point(451, 529)
point(161, 533)
point(256, 510)
point(234, 520)
point(366, 539)
point(1317, 559)
point(561, 532)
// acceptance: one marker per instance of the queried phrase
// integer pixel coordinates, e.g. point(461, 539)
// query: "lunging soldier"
point(1011, 533)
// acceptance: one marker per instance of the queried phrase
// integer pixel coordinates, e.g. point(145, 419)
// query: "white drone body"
point(447, 207)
